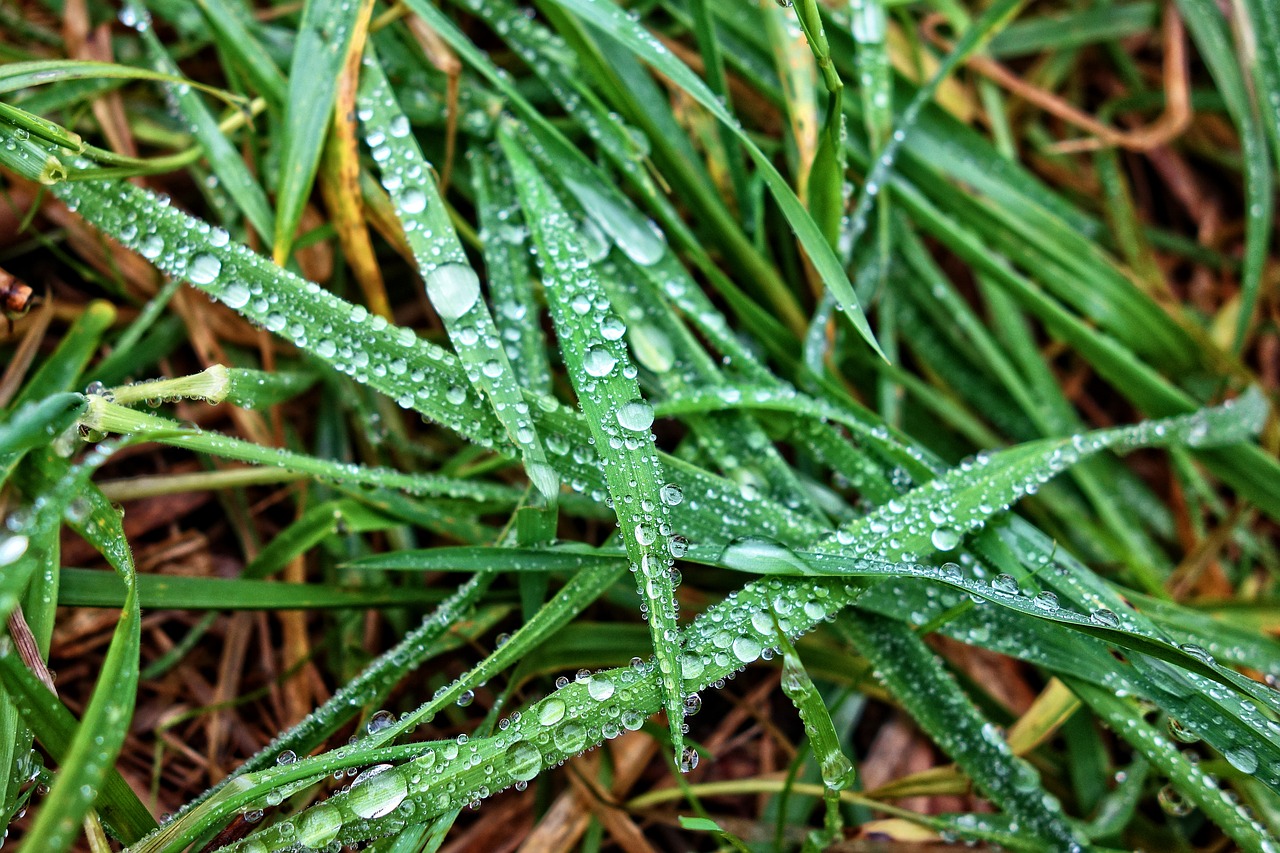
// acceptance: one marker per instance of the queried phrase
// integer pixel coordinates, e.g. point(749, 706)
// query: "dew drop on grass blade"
point(617, 414)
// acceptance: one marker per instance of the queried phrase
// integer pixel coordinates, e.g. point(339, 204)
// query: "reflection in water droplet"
point(203, 269)
point(377, 792)
point(599, 362)
point(317, 826)
point(523, 760)
point(945, 538)
point(636, 415)
point(453, 288)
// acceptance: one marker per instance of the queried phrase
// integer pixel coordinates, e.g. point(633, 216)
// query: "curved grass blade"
point(836, 768)
point(105, 721)
point(929, 692)
point(224, 159)
point(1189, 779)
point(220, 801)
point(452, 285)
point(55, 727)
point(617, 415)
point(1208, 28)
point(35, 424)
point(110, 417)
point(618, 24)
point(393, 360)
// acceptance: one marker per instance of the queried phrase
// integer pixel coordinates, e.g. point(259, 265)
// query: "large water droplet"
point(636, 416)
point(317, 826)
point(1105, 617)
point(203, 269)
point(945, 538)
point(599, 362)
point(1243, 759)
point(552, 711)
point(631, 232)
point(413, 201)
point(453, 288)
point(236, 296)
point(11, 548)
point(600, 688)
point(611, 328)
point(652, 348)
point(377, 792)
point(747, 648)
point(523, 760)
point(671, 494)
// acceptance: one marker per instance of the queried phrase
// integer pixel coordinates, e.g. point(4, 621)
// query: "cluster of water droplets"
point(619, 418)
point(418, 374)
point(452, 284)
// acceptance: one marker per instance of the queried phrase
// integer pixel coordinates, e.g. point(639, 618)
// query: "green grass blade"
point(618, 416)
point(1209, 30)
point(614, 21)
point(105, 721)
point(55, 727)
point(324, 35)
point(224, 159)
point(506, 260)
point(452, 285)
point(939, 706)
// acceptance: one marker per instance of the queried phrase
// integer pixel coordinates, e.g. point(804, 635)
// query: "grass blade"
point(617, 414)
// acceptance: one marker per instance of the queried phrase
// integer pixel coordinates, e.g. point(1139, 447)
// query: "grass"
point(686, 424)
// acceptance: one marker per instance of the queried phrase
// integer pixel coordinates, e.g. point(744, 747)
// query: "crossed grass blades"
point(705, 377)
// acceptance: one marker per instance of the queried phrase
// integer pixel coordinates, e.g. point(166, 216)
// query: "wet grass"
point(690, 425)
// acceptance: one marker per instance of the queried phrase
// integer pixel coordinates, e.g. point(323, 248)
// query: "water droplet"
point(1173, 802)
point(652, 348)
point(671, 494)
point(1180, 732)
point(1105, 618)
point(286, 757)
point(453, 288)
point(317, 826)
point(636, 415)
point(203, 269)
point(523, 760)
point(377, 792)
point(413, 201)
point(945, 538)
point(599, 362)
point(552, 711)
point(612, 328)
point(1005, 585)
point(600, 688)
point(11, 548)
point(1243, 759)
point(236, 296)
point(1198, 652)
point(1046, 601)
point(747, 648)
